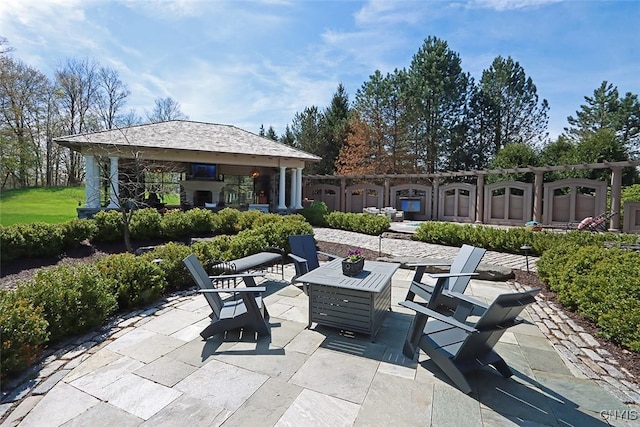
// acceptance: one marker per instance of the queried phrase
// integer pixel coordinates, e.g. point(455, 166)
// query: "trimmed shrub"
point(601, 284)
point(246, 242)
point(23, 329)
point(277, 233)
point(77, 230)
point(201, 222)
point(145, 224)
point(171, 256)
point(316, 213)
point(373, 225)
point(509, 240)
point(109, 225)
point(73, 299)
point(39, 239)
point(211, 251)
point(175, 224)
point(247, 219)
point(134, 280)
point(12, 244)
point(226, 221)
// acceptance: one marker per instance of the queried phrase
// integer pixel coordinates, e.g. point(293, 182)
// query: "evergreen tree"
point(306, 128)
point(334, 130)
point(271, 134)
point(507, 108)
point(606, 110)
point(437, 93)
point(288, 137)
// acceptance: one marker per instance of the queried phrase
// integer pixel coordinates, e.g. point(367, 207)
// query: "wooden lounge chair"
point(457, 347)
point(305, 254)
point(248, 312)
point(460, 272)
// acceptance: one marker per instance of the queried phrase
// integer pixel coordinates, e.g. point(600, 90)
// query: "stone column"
point(298, 194)
point(281, 199)
point(435, 199)
point(537, 196)
point(480, 199)
point(616, 195)
point(114, 184)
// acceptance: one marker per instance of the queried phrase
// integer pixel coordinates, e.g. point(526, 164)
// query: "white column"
point(298, 204)
point(281, 199)
point(292, 190)
point(91, 182)
point(114, 189)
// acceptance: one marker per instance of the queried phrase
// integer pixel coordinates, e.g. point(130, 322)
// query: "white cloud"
point(376, 12)
point(501, 5)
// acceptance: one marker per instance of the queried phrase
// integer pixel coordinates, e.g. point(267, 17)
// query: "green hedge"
point(373, 225)
point(67, 300)
point(74, 299)
point(510, 240)
point(602, 284)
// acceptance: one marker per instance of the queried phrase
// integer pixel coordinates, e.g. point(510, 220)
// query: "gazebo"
point(207, 159)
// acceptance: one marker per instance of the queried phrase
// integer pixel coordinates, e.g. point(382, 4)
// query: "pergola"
point(480, 174)
point(225, 149)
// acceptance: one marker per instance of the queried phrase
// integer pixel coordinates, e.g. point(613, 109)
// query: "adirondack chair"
point(248, 312)
point(457, 347)
point(457, 280)
point(305, 254)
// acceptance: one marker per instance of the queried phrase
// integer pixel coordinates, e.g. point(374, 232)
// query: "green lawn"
point(48, 204)
point(51, 204)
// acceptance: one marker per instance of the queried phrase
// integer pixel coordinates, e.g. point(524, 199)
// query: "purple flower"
point(354, 255)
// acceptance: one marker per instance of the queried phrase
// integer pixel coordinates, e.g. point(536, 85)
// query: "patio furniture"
point(305, 254)
point(248, 312)
point(354, 303)
point(457, 347)
point(270, 257)
point(466, 261)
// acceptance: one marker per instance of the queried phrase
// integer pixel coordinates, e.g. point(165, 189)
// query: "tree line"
point(432, 116)
point(82, 97)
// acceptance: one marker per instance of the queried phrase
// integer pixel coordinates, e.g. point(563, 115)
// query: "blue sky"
point(248, 63)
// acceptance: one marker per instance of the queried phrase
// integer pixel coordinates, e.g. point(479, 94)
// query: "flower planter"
point(351, 268)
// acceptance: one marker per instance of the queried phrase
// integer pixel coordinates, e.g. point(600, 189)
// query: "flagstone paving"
point(152, 368)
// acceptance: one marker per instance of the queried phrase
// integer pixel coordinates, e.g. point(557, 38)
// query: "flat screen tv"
point(410, 205)
point(204, 171)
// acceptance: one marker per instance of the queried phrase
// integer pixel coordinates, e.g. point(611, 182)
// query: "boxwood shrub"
point(602, 284)
point(33, 240)
point(509, 240)
point(171, 256)
point(145, 224)
point(373, 225)
point(175, 224)
point(201, 222)
point(73, 299)
point(23, 330)
point(109, 226)
point(134, 280)
point(78, 230)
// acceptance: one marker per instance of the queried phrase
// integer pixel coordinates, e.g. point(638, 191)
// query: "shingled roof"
point(188, 135)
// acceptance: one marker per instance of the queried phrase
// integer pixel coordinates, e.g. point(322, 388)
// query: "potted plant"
point(353, 263)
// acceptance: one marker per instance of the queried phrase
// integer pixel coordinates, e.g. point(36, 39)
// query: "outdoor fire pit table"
point(354, 303)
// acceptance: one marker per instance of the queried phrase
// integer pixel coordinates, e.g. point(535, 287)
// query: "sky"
point(251, 63)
